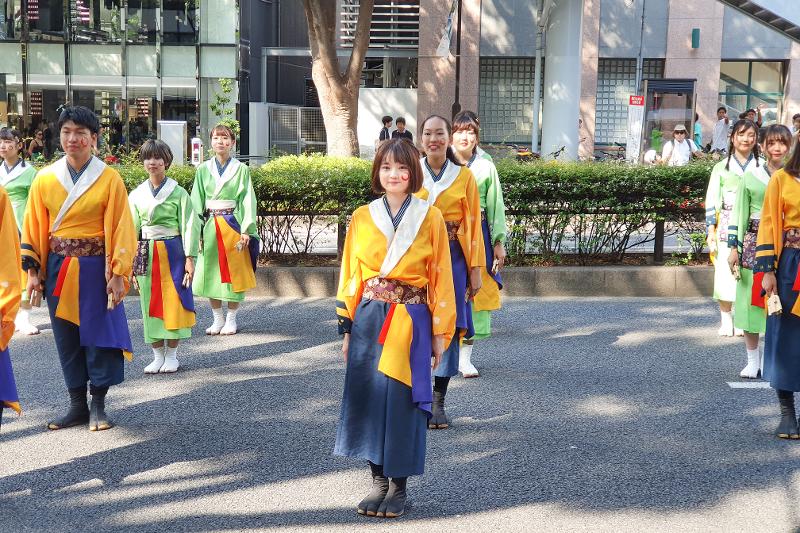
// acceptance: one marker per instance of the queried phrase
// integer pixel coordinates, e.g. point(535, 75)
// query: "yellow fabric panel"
point(102, 211)
point(241, 268)
point(13, 405)
point(10, 288)
point(175, 315)
point(395, 359)
point(426, 263)
point(488, 297)
point(68, 303)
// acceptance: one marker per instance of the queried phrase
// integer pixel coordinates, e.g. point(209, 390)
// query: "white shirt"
point(678, 154)
point(720, 139)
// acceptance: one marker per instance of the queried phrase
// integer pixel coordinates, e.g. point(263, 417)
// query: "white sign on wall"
point(635, 121)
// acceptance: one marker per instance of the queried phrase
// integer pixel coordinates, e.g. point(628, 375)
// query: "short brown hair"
point(400, 151)
point(220, 129)
point(156, 149)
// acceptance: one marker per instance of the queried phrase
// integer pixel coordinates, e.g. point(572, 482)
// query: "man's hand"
point(475, 282)
point(345, 346)
point(116, 288)
point(438, 350)
point(34, 283)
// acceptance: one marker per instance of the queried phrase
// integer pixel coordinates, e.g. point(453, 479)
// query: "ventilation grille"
point(395, 24)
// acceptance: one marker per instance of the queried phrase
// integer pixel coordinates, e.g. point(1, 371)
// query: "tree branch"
point(321, 15)
point(360, 44)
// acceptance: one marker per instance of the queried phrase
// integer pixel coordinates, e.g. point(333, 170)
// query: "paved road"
point(591, 415)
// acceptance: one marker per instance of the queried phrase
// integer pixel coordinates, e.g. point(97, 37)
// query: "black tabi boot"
point(78, 411)
point(787, 429)
point(98, 421)
point(394, 504)
point(380, 486)
point(438, 418)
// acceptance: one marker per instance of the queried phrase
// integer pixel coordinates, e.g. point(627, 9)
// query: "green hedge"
point(601, 205)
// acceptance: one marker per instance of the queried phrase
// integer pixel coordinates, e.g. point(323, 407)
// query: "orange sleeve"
point(35, 230)
point(120, 233)
point(477, 254)
point(767, 250)
point(351, 286)
point(10, 290)
point(441, 294)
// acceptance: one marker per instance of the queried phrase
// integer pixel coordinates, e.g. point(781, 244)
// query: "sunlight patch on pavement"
point(748, 384)
point(608, 405)
point(697, 336)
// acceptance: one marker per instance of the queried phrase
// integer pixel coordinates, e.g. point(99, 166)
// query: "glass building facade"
point(133, 62)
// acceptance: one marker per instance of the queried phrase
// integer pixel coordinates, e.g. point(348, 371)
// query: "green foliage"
point(221, 106)
point(594, 207)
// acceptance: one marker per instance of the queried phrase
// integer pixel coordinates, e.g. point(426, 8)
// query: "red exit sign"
point(637, 100)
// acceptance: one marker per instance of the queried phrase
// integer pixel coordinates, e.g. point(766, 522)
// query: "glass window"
point(766, 77)
point(142, 22)
point(46, 20)
point(734, 76)
point(141, 115)
point(218, 22)
point(748, 84)
point(180, 21)
point(95, 20)
point(10, 20)
point(107, 103)
point(180, 103)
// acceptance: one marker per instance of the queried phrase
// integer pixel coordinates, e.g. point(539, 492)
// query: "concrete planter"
point(637, 281)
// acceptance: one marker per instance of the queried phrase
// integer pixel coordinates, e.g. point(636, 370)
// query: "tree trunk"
point(337, 90)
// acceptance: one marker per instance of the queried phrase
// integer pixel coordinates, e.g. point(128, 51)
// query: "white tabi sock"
point(219, 322)
point(726, 324)
point(171, 363)
point(158, 361)
point(230, 327)
point(23, 323)
point(753, 363)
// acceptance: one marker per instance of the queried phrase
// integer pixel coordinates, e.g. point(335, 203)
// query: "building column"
point(702, 63)
point(437, 75)
point(562, 79)
point(791, 93)
point(590, 51)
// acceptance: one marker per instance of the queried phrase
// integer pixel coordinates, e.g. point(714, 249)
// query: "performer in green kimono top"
point(223, 195)
point(16, 175)
point(466, 136)
point(169, 238)
point(750, 314)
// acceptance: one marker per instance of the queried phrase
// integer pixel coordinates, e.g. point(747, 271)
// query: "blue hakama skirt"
point(782, 340)
point(449, 365)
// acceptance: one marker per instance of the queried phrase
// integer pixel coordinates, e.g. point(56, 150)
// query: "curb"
point(636, 281)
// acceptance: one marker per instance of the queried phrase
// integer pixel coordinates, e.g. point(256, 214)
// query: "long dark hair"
point(449, 154)
point(9, 134)
point(792, 167)
point(741, 125)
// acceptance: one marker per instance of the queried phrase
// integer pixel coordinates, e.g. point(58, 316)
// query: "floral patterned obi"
point(219, 212)
point(452, 229)
point(791, 238)
point(394, 291)
point(749, 244)
point(91, 246)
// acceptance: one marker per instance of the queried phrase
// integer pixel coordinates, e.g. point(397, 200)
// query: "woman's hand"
point(244, 240)
point(499, 256)
point(34, 283)
point(438, 349)
point(188, 269)
point(116, 288)
point(475, 282)
point(345, 346)
point(733, 258)
point(769, 283)
point(711, 239)
point(134, 282)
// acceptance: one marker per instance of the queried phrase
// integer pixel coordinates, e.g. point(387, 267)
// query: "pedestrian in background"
point(749, 314)
point(226, 264)
point(395, 307)
point(169, 238)
point(384, 135)
point(452, 188)
point(466, 136)
point(719, 141)
point(10, 292)
point(778, 257)
point(679, 151)
point(16, 175)
point(743, 157)
point(698, 132)
point(401, 131)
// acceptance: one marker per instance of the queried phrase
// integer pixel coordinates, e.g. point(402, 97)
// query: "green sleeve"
point(247, 203)
point(495, 208)
point(137, 219)
point(713, 197)
point(198, 192)
point(189, 224)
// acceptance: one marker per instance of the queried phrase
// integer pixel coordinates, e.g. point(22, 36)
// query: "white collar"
point(8, 177)
point(435, 188)
point(143, 194)
point(75, 190)
point(398, 241)
point(227, 175)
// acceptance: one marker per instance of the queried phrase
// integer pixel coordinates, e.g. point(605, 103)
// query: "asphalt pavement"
point(589, 415)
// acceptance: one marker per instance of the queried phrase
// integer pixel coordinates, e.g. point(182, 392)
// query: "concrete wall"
point(683, 61)
point(745, 38)
point(791, 93)
point(590, 53)
point(508, 28)
point(621, 25)
point(373, 104)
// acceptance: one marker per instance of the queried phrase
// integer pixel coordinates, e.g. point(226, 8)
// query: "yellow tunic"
point(83, 220)
point(10, 289)
point(426, 263)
